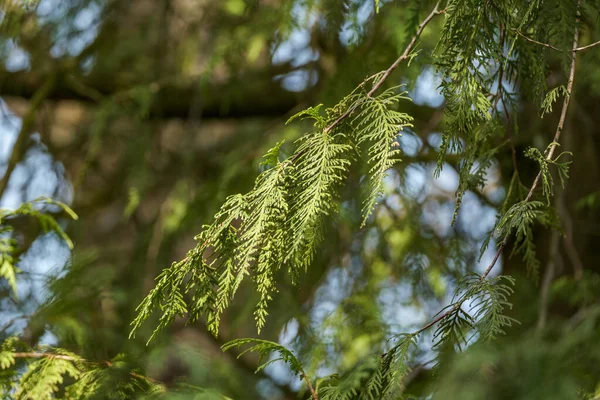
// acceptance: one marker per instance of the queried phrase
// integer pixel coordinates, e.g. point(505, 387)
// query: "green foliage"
point(377, 377)
point(476, 162)
point(590, 201)
point(519, 221)
point(281, 220)
point(465, 51)
point(187, 392)
point(488, 69)
point(8, 270)
point(485, 301)
point(478, 308)
point(545, 162)
point(265, 348)
point(320, 168)
point(47, 371)
point(46, 221)
point(453, 329)
point(351, 384)
point(378, 126)
point(312, 113)
point(44, 376)
point(492, 373)
point(551, 98)
point(263, 236)
point(595, 395)
point(279, 223)
point(374, 378)
point(488, 301)
point(8, 245)
point(470, 56)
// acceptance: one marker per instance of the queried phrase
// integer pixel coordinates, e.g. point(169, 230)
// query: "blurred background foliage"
point(143, 115)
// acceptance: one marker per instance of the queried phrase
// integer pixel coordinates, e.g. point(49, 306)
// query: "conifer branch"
point(265, 348)
point(557, 134)
point(565, 106)
point(282, 218)
point(405, 55)
point(453, 309)
point(499, 97)
point(456, 306)
point(65, 357)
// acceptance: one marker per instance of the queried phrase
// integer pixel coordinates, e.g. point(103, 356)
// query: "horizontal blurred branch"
point(171, 98)
point(75, 359)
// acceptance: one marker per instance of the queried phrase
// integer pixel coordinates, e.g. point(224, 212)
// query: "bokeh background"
point(159, 109)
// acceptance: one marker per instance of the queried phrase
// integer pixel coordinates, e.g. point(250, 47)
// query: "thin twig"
point(86, 91)
point(588, 46)
point(563, 114)
point(10, 322)
point(553, 47)
point(405, 55)
point(313, 393)
point(535, 182)
point(460, 303)
point(536, 42)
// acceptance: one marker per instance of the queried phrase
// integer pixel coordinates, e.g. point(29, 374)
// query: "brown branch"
point(76, 359)
point(588, 46)
point(559, 129)
point(563, 114)
point(313, 393)
point(536, 42)
point(26, 127)
point(555, 48)
point(172, 95)
point(535, 182)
